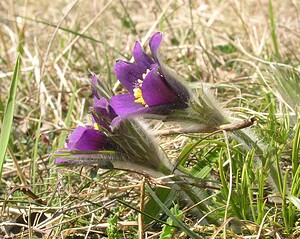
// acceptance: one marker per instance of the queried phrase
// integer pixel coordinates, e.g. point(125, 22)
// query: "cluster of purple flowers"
point(155, 91)
point(116, 140)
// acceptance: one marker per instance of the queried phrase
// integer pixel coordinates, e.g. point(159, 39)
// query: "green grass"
point(247, 52)
point(8, 114)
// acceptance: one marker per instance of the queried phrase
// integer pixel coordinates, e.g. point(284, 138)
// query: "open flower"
point(153, 89)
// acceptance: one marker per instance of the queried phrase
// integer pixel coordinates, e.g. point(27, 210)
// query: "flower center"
point(96, 126)
point(137, 91)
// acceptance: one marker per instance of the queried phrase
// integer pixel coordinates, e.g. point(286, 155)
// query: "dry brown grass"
point(197, 36)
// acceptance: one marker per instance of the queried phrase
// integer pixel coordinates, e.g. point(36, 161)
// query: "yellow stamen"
point(140, 100)
point(137, 93)
point(96, 126)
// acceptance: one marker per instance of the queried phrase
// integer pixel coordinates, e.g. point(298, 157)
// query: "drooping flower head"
point(153, 89)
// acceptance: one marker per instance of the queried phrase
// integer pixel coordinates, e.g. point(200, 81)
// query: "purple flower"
point(102, 112)
point(126, 145)
point(87, 139)
point(85, 142)
point(153, 88)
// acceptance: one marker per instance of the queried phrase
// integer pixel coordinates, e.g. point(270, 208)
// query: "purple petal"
point(154, 44)
point(100, 121)
point(120, 118)
point(156, 111)
point(155, 90)
point(103, 113)
point(124, 104)
point(87, 139)
point(135, 112)
point(128, 73)
point(141, 58)
point(174, 81)
point(101, 106)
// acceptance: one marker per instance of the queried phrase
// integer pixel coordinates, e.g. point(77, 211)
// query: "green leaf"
point(200, 169)
point(226, 49)
point(273, 30)
point(168, 231)
point(295, 152)
point(295, 201)
point(8, 114)
point(185, 153)
point(1, 106)
point(176, 221)
point(152, 209)
point(112, 229)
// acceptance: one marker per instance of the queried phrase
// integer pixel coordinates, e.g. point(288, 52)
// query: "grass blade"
point(35, 152)
point(176, 221)
point(295, 201)
point(8, 114)
point(168, 231)
point(295, 152)
point(152, 209)
point(273, 30)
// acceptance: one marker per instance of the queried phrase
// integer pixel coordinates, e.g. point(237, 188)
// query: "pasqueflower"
point(153, 89)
